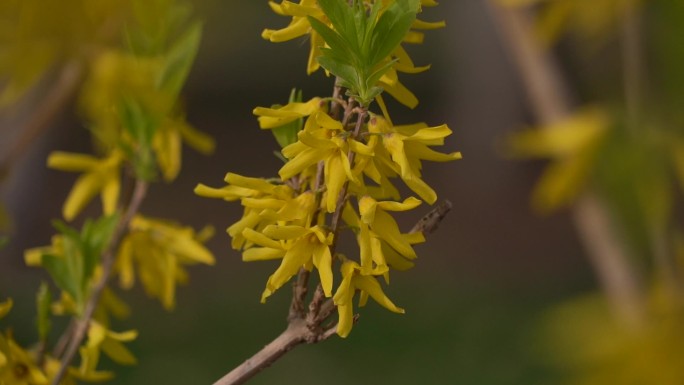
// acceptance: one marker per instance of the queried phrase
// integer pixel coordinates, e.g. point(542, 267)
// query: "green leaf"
point(179, 60)
point(287, 134)
point(142, 127)
point(391, 28)
point(58, 269)
point(43, 301)
point(95, 236)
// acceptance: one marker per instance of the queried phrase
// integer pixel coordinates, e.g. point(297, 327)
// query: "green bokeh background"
point(481, 283)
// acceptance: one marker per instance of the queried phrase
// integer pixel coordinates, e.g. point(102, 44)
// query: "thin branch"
point(108, 258)
point(59, 94)
point(294, 335)
point(549, 99)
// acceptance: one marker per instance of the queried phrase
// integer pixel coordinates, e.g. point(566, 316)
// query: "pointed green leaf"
point(179, 60)
point(62, 275)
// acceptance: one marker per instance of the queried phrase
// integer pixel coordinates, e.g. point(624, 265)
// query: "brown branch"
point(58, 95)
point(549, 99)
point(108, 258)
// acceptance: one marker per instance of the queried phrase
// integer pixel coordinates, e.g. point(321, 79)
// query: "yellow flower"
point(375, 252)
point(167, 145)
point(100, 176)
point(17, 366)
point(299, 26)
point(324, 139)
point(407, 146)
point(374, 214)
point(573, 145)
point(265, 203)
point(102, 340)
point(160, 250)
point(352, 281)
point(5, 307)
point(277, 117)
point(298, 247)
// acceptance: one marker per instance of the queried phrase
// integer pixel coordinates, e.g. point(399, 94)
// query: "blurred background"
point(508, 290)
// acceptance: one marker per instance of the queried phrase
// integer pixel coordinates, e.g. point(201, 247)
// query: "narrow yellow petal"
point(262, 254)
point(409, 203)
point(67, 161)
point(110, 192)
point(345, 319)
point(371, 286)
point(84, 190)
point(322, 259)
point(5, 307)
point(284, 232)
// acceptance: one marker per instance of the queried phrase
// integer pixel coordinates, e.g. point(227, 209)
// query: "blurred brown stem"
point(549, 98)
point(108, 258)
point(59, 94)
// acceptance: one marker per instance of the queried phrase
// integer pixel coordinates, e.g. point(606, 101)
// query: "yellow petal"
point(110, 192)
point(296, 29)
point(5, 307)
point(421, 188)
point(85, 188)
point(197, 139)
point(66, 161)
point(409, 203)
point(371, 286)
point(367, 206)
point(262, 254)
point(322, 259)
point(284, 232)
point(260, 239)
point(345, 319)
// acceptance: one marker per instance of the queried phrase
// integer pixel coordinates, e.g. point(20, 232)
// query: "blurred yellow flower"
point(17, 366)
point(5, 307)
point(100, 176)
point(158, 251)
point(573, 145)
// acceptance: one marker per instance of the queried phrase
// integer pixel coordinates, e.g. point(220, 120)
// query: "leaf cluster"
point(73, 266)
point(361, 42)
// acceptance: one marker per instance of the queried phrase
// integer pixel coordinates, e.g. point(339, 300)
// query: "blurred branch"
point(58, 95)
point(549, 98)
point(78, 332)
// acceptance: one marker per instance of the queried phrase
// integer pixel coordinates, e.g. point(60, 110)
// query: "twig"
point(108, 257)
point(59, 94)
point(548, 95)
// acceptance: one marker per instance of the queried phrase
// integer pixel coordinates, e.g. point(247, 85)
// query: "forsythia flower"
point(406, 147)
point(302, 247)
point(5, 307)
point(159, 250)
point(102, 340)
point(323, 139)
point(338, 170)
point(353, 280)
point(99, 176)
point(17, 366)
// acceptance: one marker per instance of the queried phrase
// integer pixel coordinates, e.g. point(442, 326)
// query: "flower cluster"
point(342, 163)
